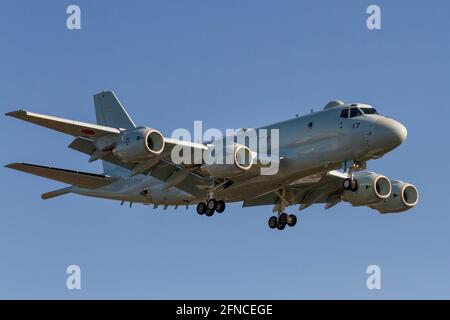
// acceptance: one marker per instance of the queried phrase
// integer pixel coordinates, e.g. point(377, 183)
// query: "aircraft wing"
point(87, 133)
point(322, 188)
point(84, 129)
point(71, 127)
point(76, 178)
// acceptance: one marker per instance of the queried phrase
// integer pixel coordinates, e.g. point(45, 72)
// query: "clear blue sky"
point(231, 64)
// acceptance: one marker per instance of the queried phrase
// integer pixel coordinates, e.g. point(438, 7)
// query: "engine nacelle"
point(140, 144)
point(404, 196)
point(372, 188)
point(235, 160)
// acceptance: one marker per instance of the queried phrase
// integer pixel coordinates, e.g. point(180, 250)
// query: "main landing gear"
point(282, 220)
point(211, 206)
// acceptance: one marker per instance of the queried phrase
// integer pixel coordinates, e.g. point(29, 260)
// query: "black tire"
point(220, 207)
point(354, 186)
point(273, 222)
point(211, 204)
point(347, 184)
point(209, 212)
point(201, 208)
point(283, 218)
point(280, 225)
point(292, 220)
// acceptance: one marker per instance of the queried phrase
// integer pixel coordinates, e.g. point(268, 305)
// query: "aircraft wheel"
point(220, 206)
point(211, 204)
point(281, 225)
point(347, 184)
point(273, 222)
point(350, 185)
point(292, 220)
point(201, 208)
point(209, 212)
point(283, 218)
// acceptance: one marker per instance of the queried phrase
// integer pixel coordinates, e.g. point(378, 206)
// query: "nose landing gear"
point(350, 184)
point(282, 220)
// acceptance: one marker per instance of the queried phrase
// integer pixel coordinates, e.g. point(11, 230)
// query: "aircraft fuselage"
point(310, 144)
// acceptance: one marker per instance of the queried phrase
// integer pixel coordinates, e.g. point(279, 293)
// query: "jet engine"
point(404, 196)
point(234, 160)
point(139, 144)
point(372, 188)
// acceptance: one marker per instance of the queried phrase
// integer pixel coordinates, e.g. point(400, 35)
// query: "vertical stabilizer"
point(110, 112)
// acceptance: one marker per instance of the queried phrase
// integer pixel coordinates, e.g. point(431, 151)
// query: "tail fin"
point(110, 112)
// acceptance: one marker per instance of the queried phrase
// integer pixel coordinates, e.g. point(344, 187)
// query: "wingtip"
point(12, 165)
point(16, 113)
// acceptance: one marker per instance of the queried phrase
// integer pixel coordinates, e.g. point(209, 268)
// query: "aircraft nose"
point(388, 134)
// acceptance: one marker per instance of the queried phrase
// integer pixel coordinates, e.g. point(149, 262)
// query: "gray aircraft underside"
point(322, 157)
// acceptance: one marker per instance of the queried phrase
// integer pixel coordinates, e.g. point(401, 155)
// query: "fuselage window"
point(354, 112)
point(344, 113)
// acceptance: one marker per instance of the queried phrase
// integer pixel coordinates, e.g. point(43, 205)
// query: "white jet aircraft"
point(322, 157)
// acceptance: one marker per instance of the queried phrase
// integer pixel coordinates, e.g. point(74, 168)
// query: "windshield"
point(354, 112)
point(369, 110)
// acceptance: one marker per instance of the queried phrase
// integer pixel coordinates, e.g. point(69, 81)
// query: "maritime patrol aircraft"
point(322, 158)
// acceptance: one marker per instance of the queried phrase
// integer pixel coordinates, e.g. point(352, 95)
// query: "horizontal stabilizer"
point(71, 127)
point(76, 178)
point(87, 146)
point(83, 145)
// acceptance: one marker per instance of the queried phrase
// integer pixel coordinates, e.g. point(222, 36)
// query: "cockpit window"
point(369, 111)
point(344, 113)
point(354, 112)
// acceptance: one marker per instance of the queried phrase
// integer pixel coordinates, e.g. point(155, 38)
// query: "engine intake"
point(235, 160)
point(139, 144)
point(404, 196)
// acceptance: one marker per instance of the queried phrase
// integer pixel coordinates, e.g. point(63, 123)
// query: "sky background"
point(230, 64)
